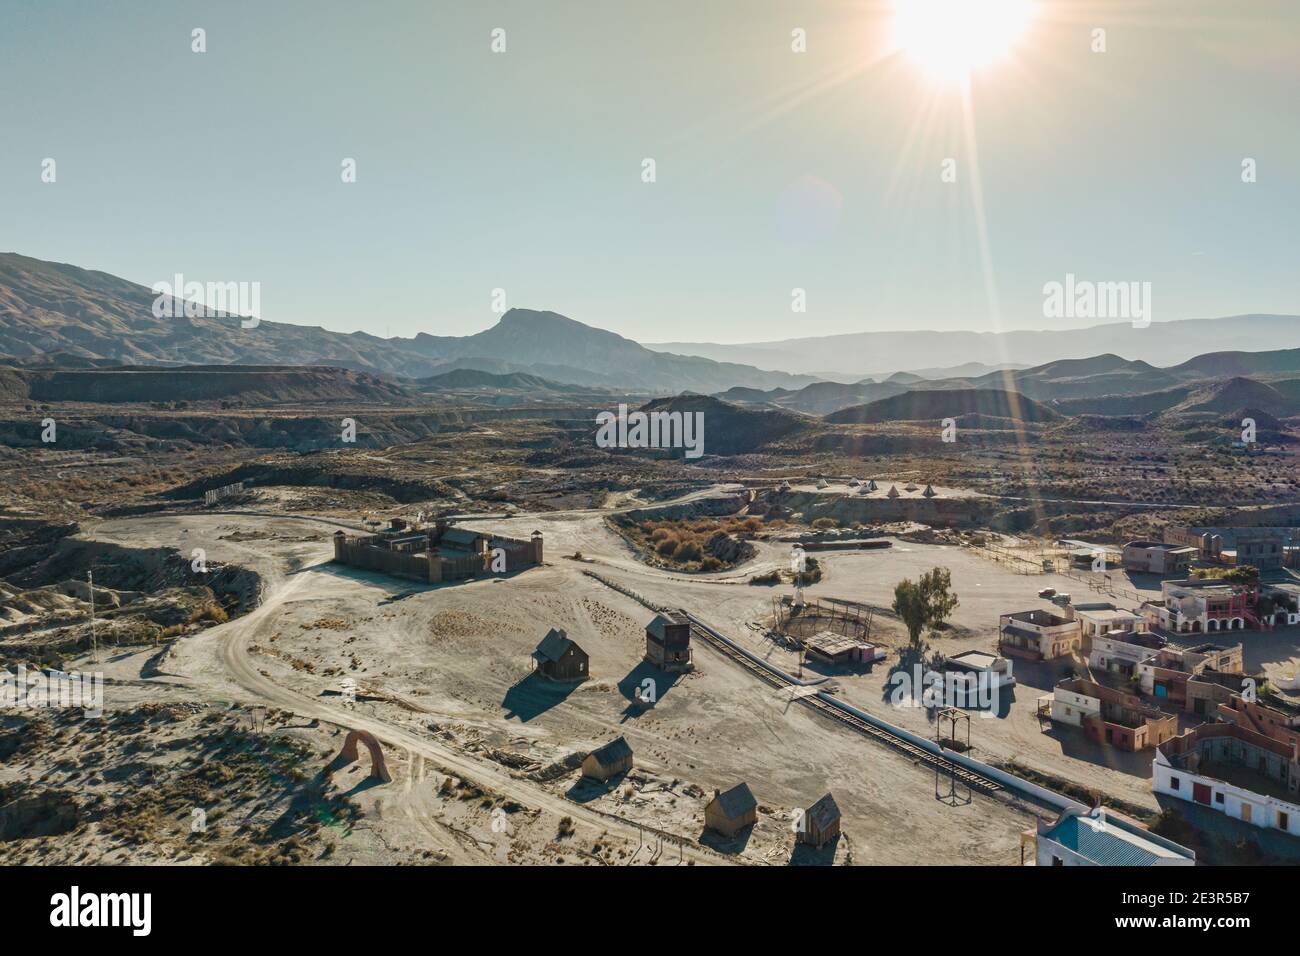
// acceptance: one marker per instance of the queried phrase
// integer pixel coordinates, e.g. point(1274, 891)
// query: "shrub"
point(688, 551)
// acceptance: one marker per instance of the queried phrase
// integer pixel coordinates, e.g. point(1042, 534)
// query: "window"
point(1218, 798)
point(1283, 821)
point(1175, 783)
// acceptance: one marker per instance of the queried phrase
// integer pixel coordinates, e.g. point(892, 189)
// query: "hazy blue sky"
point(775, 170)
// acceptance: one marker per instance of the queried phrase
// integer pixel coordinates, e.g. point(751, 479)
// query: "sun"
point(951, 39)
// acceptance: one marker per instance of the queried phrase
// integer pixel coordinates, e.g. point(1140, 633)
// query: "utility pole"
point(94, 644)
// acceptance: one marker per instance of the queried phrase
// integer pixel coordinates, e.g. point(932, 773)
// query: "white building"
point(1077, 838)
point(997, 670)
point(1235, 771)
point(1121, 653)
point(1202, 607)
point(1102, 618)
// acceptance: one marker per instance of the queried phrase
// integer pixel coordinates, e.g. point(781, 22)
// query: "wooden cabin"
point(608, 761)
point(668, 641)
point(559, 658)
point(729, 813)
point(821, 823)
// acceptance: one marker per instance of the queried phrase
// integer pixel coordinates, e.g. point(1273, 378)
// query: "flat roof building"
point(1103, 617)
point(1203, 606)
point(1166, 673)
point(1156, 557)
point(1240, 773)
point(1122, 652)
point(1111, 717)
point(838, 650)
point(1038, 635)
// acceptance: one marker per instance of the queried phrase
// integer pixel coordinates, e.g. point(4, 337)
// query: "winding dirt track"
point(234, 658)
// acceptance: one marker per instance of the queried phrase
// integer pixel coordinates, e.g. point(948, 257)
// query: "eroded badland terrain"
point(237, 655)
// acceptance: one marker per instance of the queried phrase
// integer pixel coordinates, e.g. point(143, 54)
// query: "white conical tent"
point(893, 491)
point(929, 491)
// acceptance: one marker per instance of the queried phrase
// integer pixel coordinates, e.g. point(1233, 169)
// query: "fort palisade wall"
point(357, 553)
point(937, 512)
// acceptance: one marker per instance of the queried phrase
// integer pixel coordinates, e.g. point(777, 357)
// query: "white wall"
point(1264, 810)
point(1070, 708)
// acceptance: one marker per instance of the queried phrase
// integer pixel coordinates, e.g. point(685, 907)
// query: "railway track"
point(969, 777)
point(702, 633)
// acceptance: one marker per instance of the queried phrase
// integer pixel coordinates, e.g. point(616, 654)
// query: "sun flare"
point(950, 39)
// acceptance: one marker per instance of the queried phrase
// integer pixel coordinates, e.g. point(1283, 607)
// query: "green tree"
point(926, 603)
point(909, 605)
point(1244, 574)
point(937, 588)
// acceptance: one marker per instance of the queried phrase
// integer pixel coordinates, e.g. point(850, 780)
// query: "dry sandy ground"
point(986, 590)
point(444, 673)
point(443, 677)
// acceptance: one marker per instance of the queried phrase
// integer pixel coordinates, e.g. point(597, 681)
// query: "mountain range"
point(90, 336)
point(83, 316)
point(1102, 385)
point(859, 354)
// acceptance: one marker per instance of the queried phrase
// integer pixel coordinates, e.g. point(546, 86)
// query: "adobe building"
point(1038, 635)
point(1277, 718)
point(1242, 774)
point(668, 641)
point(1156, 557)
point(1206, 692)
point(1166, 674)
point(607, 762)
point(729, 813)
point(435, 553)
point(1120, 652)
point(1264, 548)
point(1101, 617)
point(559, 658)
point(1111, 717)
point(1204, 606)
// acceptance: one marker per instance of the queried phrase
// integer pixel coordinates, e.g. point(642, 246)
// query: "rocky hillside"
point(48, 307)
point(949, 403)
point(245, 384)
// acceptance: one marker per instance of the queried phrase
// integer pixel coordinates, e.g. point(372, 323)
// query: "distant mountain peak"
point(51, 307)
